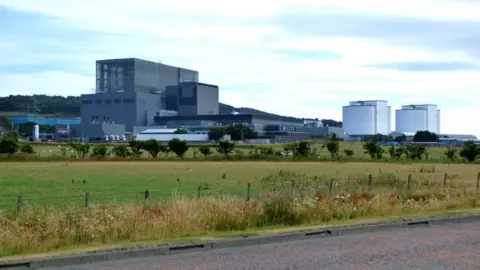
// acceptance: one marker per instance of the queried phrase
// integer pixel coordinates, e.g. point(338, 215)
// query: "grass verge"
point(216, 236)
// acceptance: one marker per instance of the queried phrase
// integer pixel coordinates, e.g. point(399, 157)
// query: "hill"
point(70, 106)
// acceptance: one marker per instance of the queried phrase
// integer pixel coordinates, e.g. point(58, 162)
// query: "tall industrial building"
point(367, 117)
point(131, 92)
point(137, 75)
point(413, 118)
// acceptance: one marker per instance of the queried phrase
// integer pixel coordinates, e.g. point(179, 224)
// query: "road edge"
point(162, 250)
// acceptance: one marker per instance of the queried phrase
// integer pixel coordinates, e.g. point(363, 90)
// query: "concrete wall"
point(128, 108)
point(207, 99)
point(100, 130)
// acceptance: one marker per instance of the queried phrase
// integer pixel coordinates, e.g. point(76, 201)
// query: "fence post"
point(249, 186)
point(445, 177)
point(370, 180)
point(87, 198)
point(198, 192)
point(330, 188)
point(19, 204)
point(147, 195)
point(478, 181)
point(293, 188)
point(409, 183)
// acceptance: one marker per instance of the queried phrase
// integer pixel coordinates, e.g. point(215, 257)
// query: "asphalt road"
point(435, 247)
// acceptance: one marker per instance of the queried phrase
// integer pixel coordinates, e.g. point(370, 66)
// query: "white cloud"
point(234, 44)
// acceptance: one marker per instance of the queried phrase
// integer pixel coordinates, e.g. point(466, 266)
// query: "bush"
point(27, 148)
point(225, 147)
point(280, 210)
point(100, 151)
point(348, 152)
point(470, 151)
point(416, 151)
point(8, 146)
point(121, 151)
point(205, 150)
point(302, 149)
point(81, 149)
point(152, 147)
point(333, 146)
point(451, 153)
point(373, 149)
point(179, 147)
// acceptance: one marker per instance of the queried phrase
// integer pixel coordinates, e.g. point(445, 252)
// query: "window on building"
point(128, 100)
point(98, 101)
point(108, 101)
point(117, 101)
point(85, 102)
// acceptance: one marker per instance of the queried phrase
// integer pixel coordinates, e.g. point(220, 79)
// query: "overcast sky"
point(304, 58)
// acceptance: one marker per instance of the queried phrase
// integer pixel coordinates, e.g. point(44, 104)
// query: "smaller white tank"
point(106, 137)
point(117, 138)
point(112, 137)
point(36, 132)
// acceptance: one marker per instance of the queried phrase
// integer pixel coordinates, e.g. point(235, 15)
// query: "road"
point(435, 247)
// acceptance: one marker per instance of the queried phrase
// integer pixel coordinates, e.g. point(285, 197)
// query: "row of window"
point(108, 101)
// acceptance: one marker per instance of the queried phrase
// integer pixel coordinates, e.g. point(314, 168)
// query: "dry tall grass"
point(41, 230)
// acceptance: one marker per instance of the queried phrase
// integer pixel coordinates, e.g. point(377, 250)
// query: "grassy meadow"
point(435, 153)
point(60, 183)
point(53, 215)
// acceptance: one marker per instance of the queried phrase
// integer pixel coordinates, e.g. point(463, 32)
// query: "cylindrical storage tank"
point(359, 120)
point(410, 120)
point(36, 132)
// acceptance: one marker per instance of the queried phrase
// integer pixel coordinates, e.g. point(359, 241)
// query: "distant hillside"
point(70, 106)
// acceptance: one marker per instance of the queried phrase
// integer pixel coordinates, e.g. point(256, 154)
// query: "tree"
point(373, 149)
point(396, 152)
point(331, 123)
point(332, 145)
point(180, 131)
point(425, 136)
point(5, 122)
point(400, 139)
point(239, 132)
point(179, 147)
point(470, 151)
point(152, 147)
point(225, 147)
point(216, 133)
point(205, 150)
point(136, 148)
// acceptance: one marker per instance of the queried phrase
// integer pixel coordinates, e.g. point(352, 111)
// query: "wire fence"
point(291, 185)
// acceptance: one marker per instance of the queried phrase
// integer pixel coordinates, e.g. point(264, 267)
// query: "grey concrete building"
point(256, 121)
point(193, 98)
point(128, 108)
point(137, 75)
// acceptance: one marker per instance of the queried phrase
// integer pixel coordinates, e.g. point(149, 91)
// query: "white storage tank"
point(36, 132)
point(359, 120)
point(410, 121)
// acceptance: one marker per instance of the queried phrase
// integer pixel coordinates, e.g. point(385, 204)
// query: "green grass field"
point(435, 153)
point(56, 183)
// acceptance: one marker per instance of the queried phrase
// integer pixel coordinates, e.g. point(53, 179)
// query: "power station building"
point(413, 118)
point(132, 92)
point(369, 117)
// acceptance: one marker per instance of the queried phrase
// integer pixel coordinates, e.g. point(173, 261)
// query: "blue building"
point(23, 119)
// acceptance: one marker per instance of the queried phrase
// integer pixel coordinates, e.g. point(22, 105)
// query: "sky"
point(303, 58)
